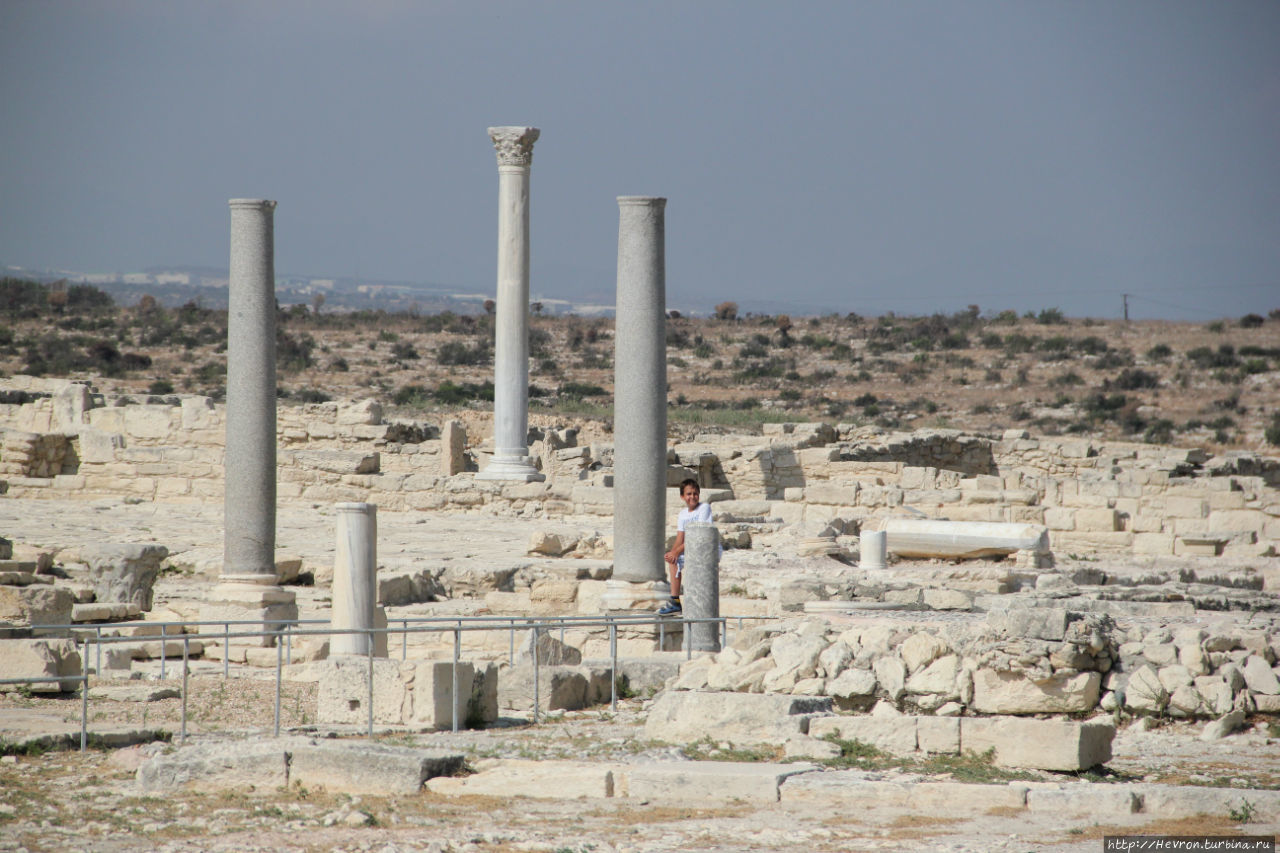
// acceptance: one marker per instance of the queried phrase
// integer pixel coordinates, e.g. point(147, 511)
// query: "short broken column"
point(872, 553)
point(247, 588)
point(700, 584)
point(514, 146)
point(640, 409)
point(355, 570)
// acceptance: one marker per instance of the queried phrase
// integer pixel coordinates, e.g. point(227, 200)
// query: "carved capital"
point(514, 144)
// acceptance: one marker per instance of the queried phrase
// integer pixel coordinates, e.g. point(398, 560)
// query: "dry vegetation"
point(1213, 385)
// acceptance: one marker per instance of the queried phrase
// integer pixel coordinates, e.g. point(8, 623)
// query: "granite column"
point(247, 587)
point(640, 409)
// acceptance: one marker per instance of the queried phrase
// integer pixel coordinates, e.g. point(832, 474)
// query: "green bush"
point(455, 352)
point(1133, 380)
point(160, 386)
point(1159, 352)
point(1272, 432)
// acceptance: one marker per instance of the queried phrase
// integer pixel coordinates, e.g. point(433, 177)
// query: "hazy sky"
point(860, 156)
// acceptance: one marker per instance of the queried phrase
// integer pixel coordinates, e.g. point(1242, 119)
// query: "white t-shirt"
point(702, 513)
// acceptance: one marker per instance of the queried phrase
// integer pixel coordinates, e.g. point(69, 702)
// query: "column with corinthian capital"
point(511, 461)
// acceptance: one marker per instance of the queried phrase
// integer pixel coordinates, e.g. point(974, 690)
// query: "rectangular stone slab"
point(556, 780)
point(721, 781)
point(1062, 745)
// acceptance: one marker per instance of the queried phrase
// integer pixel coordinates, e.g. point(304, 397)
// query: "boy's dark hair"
point(690, 482)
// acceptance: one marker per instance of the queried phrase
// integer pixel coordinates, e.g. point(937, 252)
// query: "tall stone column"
point(511, 460)
point(355, 568)
point(248, 587)
point(700, 585)
point(640, 409)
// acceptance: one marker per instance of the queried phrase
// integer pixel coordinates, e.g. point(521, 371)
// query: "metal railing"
point(282, 632)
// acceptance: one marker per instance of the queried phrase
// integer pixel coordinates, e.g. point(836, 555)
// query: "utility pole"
point(1126, 308)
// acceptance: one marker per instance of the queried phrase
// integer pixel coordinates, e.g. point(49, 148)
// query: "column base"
point(626, 595)
point(237, 600)
point(517, 469)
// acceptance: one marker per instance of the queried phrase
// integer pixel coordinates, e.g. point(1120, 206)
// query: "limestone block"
point(845, 790)
point(959, 797)
point(1186, 507)
point(938, 735)
point(1014, 693)
point(1082, 799)
point(453, 442)
point(148, 421)
point(1237, 520)
point(550, 544)
point(852, 683)
point(938, 678)
point(344, 691)
point(891, 673)
point(41, 659)
point(832, 494)
point(740, 718)
point(1061, 745)
point(947, 599)
point(333, 461)
point(559, 688)
point(433, 702)
point(98, 447)
point(921, 649)
point(367, 768)
point(360, 413)
point(38, 604)
point(1153, 543)
point(236, 764)
point(1100, 540)
point(711, 781)
point(1039, 623)
point(557, 780)
point(124, 573)
point(1144, 692)
point(894, 735)
point(1178, 801)
point(550, 651)
point(1259, 676)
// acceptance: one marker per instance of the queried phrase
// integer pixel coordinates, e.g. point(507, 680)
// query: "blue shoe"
point(671, 608)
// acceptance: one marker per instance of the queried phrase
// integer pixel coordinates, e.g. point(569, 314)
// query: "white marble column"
point(355, 569)
point(871, 550)
point(511, 460)
point(248, 580)
point(700, 584)
point(640, 409)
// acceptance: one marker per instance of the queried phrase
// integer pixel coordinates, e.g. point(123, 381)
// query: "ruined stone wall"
point(1092, 496)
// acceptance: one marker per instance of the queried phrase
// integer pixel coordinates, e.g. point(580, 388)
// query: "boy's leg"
point(676, 571)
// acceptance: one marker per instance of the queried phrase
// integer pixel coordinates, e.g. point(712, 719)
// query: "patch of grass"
point(707, 750)
point(968, 767)
point(1245, 813)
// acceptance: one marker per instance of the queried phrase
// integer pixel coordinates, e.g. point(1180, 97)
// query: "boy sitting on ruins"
point(694, 510)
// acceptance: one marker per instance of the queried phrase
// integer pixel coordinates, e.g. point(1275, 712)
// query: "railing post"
point(288, 644)
point(186, 654)
point(163, 650)
point(404, 639)
point(97, 646)
point(613, 665)
point(370, 630)
point(279, 661)
point(457, 653)
point(537, 685)
point(226, 650)
point(84, 698)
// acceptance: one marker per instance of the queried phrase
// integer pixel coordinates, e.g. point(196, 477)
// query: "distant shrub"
point(1272, 432)
point(703, 351)
point(292, 353)
point(160, 386)
point(1018, 343)
point(1066, 380)
point(1112, 359)
point(1133, 380)
point(1159, 432)
point(1251, 321)
point(578, 390)
point(1091, 345)
point(457, 353)
point(1051, 317)
point(1217, 327)
point(1159, 352)
point(990, 340)
point(1006, 318)
point(312, 395)
point(1207, 359)
point(404, 351)
point(727, 311)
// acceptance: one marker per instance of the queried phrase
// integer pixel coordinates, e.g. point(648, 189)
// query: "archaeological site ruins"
point(321, 624)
